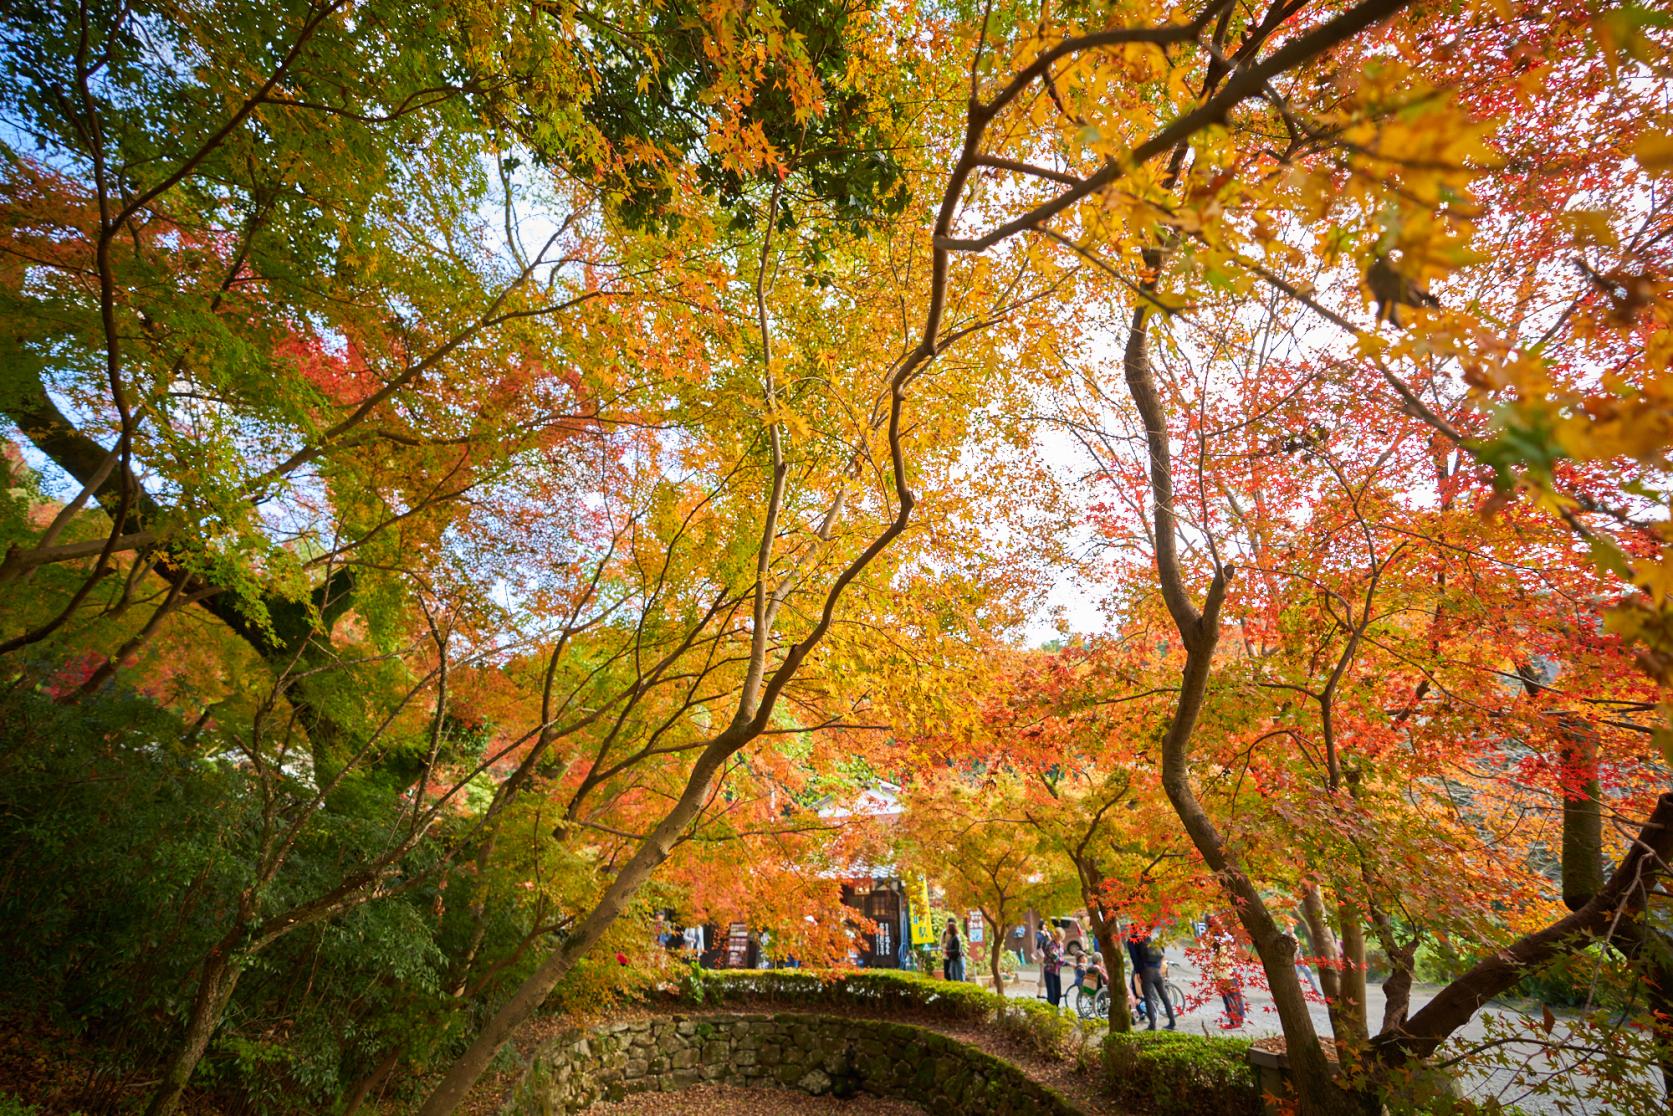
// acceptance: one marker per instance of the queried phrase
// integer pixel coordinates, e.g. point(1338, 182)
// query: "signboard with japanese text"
point(917, 902)
point(737, 945)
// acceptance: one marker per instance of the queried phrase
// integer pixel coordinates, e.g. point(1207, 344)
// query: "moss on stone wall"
point(815, 1054)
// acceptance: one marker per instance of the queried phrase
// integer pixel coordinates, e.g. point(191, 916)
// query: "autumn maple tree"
point(1323, 488)
point(471, 466)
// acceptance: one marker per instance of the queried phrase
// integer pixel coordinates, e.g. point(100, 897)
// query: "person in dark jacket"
point(1135, 962)
point(952, 952)
point(1147, 976)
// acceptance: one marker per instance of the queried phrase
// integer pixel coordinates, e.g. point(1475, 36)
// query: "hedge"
point(1171, 1073)
point(1031, 1023)
point(879, 990)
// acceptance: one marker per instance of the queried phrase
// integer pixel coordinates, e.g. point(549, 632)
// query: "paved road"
point(1206, 1014)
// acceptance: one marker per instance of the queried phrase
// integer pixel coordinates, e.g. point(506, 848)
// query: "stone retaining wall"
point(817, 1054)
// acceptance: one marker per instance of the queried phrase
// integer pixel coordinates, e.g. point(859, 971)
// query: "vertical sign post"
point(917, 902)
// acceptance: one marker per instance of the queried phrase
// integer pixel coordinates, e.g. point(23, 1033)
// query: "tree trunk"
point(363, 1088)
point(1324, 945)
point(1397, 989)
point(1582, 817)
point(1349, 1020)
point(1199, 631)
point(1309, 1070)
point(1104, 930)
point(215, 987)
point(1455, 1004)
point(462, 1076)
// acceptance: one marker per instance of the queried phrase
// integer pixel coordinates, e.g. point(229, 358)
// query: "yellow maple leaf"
point(1655, 576)
point(1654, 151)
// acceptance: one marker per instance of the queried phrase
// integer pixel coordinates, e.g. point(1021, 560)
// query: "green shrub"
point(1036, 1025)
point(129, 838)
point(1168, 1073)
point(1029, 1023)
point(879, 991)
point(1594, 975)
point(11, 1106)
point(1438, 962)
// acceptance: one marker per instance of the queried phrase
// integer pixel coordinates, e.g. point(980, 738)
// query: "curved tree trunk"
point(464, 1072)
point(1199, 630)
point(1397, 989)
point(1115, 970)
point(363, 1088)
point(1622, 898)
point(1107, 934)
point(216, 982)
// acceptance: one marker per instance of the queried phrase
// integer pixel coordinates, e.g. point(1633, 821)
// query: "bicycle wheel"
point(1176, 996)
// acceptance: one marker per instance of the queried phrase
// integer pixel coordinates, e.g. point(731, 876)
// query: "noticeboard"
point(737, 945)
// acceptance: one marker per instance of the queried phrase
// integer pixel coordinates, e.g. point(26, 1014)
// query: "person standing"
point(1135, 963)
point(1223, 969)
point(952, 952)
point(1147, 966)
point(1051, 967)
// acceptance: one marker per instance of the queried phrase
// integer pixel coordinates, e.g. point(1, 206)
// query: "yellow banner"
point(917, 905)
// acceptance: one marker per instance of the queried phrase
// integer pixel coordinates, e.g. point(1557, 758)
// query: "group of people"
point(1149, 987)
point(1147, 974)
point(1059, 959)
point(1055, 958)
